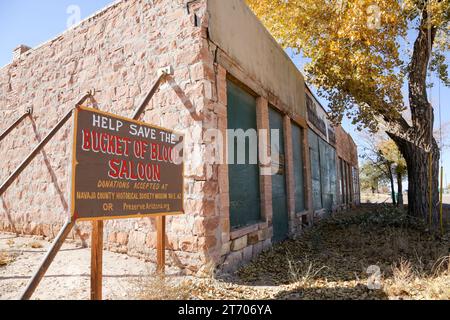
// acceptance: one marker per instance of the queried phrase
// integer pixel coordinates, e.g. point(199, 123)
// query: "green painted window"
point(297, 148)
point(328, 174)
point(345, 182)
point(323, 171)
point(324, 174)
point(245, 201)
point(280, 217)
point(340, 180)
point(313, 140)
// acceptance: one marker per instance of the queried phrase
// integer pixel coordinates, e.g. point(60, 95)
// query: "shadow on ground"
point(337, 293)
point(338, 258)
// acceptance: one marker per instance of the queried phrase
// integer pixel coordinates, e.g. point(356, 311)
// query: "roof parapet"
point(19, 51)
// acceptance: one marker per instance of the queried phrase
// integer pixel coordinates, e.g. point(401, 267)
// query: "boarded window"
point(346, 180)
point(313, 140)
point(356, 185)
point(323, 172)
point(341, 181)
point(333, 175)
point(245, 203)
point(328, 174)
point(350, 183)
point(279, 193)
point(297, 148)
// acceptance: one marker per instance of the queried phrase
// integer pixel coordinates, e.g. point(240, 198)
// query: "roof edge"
point(78, 25)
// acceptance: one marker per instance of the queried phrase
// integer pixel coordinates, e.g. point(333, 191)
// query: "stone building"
point(333, 162)
point(229, 73)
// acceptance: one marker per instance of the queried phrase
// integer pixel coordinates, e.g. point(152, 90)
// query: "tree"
point(393, 157)
point(357, 61)
point(375, 157)
point(442, 134)
point(371, 177)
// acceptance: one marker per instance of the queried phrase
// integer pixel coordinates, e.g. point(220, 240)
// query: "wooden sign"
point(123, 168)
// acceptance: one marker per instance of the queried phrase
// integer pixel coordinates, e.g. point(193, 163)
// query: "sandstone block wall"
point(118, 53)
point(346, 147)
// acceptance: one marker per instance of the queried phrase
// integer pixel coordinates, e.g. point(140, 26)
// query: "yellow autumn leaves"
point(354, 47)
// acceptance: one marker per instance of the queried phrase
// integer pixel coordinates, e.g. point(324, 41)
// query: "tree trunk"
point(399, 189)
point(391, 179)
point(418, 165)
point(417, 147)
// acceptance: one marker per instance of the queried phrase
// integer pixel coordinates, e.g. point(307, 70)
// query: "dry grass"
point(160, 288)
point(303, 271)
point(336, 259)
point(5, 259)
point(409, 281)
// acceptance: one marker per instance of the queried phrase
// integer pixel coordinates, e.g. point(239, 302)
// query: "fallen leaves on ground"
point(340, 257)
point(36, 245)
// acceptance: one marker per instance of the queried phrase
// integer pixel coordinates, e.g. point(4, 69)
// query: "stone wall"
point(237, 31)
point(118, 53)
point(346, 147)
point(348, 151)
point(241, 246)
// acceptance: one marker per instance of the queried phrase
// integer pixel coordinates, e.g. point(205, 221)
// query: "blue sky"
point(438, 95)
point(32, 22)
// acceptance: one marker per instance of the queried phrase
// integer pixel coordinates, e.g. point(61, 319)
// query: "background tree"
point(360, 58)
point(392, 155)
point(374, 156)
point(371, 177)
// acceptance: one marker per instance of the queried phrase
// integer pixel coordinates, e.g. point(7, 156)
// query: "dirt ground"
point(69, 275)
point(375, 252)
point(367, 197)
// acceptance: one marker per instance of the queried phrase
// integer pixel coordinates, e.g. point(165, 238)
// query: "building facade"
point(229, 73)
point(333, 161)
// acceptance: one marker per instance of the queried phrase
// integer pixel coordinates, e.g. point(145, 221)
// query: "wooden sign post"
point(123, 169)
point(164, 168)
point(161, 245)
point(97, 260)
